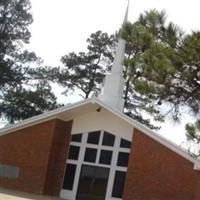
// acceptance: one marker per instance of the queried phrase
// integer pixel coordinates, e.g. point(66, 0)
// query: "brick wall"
point(157, 173)
point(32, 149)
point(57, 158)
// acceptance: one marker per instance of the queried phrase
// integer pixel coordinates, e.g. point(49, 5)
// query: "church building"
point(90, 150)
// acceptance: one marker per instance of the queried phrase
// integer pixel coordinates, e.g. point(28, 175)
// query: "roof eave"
point(54, 114)
point(41, 118)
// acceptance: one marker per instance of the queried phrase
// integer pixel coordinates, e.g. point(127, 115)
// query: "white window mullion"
point(79, 164)
point(99, 147)
point(112, 168)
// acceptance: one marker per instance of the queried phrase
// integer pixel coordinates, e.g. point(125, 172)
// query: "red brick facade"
point(40, 152)
point(157, 173)
point(154, 171)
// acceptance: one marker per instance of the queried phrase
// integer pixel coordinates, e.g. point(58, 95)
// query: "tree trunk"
point(126, 92)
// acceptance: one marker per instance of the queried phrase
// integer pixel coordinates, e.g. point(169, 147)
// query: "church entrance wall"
point(96, 166)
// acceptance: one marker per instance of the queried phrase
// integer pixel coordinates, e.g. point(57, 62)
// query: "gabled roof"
point(73, 110)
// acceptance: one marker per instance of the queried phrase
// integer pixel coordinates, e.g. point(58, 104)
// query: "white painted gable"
point(102, 120)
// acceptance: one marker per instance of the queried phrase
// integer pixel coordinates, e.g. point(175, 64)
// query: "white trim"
point(54, 114)
point(197, 165)
point(170, 145)
point(71, 194)
point(41, 118)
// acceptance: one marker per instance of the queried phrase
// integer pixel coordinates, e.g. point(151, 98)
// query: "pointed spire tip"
point(126, 14)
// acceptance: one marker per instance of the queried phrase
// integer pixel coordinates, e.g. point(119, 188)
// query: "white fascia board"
point(41, 118)
point(197, 165)
point(167, 143)
point(53, 114)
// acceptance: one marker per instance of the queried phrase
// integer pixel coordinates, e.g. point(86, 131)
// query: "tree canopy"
point(163, 66)
point(21, 95)
point(151, 47)
point(155, 67)
point(85, 70)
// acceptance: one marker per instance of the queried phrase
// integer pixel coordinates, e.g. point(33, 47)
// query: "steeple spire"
point(126, 14)
point(112, 93)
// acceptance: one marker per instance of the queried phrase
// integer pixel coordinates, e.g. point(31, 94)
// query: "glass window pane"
point(93, 137)
point(118, 185)
point(69, 177)
point(105, 157)
point(77, 137)
point(108, 139)
point(92, 183)
point(90, 155)
point(100, 182)
point(125, 143)
point(85, 181)
point(122, 159)
point(73, 152)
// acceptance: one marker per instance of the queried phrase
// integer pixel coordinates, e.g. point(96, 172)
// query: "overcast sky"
point(62, 26)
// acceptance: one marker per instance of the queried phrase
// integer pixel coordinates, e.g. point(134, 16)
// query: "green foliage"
point(191, 131)
point(163, 65)
point(21, 94)
point(150, 51)
point(21, 103)
point(14, 20)
point(193, 134)
point(85, 71)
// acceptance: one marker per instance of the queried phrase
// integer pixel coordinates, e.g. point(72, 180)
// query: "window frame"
point(116, 148)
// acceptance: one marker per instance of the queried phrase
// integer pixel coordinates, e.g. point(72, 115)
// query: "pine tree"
point(85, 71)
point(150, 46)
point(163, 67)
point(21, 95)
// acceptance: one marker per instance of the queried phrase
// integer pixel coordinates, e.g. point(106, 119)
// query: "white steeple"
point(112, 93)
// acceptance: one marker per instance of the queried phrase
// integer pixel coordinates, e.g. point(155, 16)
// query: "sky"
point(62, 26)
